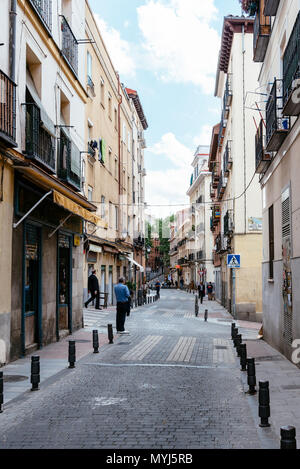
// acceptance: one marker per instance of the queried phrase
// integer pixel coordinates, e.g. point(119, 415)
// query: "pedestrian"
point(93, 288)
point(176, 284)
point(123, 297)
point(181, 283)
point(210, 291)
point(201, 291)
point(157, 288)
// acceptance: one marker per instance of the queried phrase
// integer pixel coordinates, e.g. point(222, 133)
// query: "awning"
point(135, 263)
point(110, 250)
point(76, 209)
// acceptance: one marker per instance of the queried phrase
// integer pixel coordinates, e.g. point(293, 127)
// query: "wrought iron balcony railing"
point(69, 47)
point(228, 225)
point(43, 8)
point(261, 157)
point(200, 255)
point(215, 177)
point(291, 72)
point(7, 110)
point(39, 144)
point(227, 158)
point(222, 130)
point(221, 186)
point(69, 162)
point(261, 34)
point(277, 125)
point(227, 96)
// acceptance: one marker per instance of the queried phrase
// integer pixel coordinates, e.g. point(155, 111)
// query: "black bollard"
point(96, 341)
point(243, 357)
point(288, 438)
point(232, 329)
point(205, 315)
point(264, 403)
point(72, 353)
point(251, 375)
point(238, 344)
point(35, 373)
point(235, 332)
point(196, 307)
point(110, 333)
point(1, 392)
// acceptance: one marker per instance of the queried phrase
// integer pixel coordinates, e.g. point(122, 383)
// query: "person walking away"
point(209, 291)
point(181, 283)
point(123, 297)
point(157, 288)
point(93, 288)
point(201, 291)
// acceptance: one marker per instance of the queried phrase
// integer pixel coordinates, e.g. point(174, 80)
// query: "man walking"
point(201, 290)
point(210, 291)
point(157, 288)
point(123, 296)
point(93, 288)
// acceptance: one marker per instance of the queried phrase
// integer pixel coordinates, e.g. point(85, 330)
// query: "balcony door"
point(64, 285)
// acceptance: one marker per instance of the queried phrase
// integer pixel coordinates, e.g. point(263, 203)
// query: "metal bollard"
point(110, 333)
point(196, 307)
point(251, 375)
point(96, 341)
point(235, 332)
point(232, 329)
point(235, 340)
point(238, 344)
point(1, 392)
point(205, 315)
point(264, 403)
point(288, 438)
point(35, 373)
point(243, 357)
point(72, 353)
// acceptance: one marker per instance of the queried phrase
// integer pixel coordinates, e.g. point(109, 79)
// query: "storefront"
point(46, 267)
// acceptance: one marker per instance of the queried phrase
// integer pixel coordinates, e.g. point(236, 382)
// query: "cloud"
point(205, 136)
point(180, 43)
point(119, 49)
point(172, 149)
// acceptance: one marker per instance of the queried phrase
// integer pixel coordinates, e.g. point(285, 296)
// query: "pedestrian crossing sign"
point(234, 261)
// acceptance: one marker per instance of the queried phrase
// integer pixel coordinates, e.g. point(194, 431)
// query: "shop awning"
point(136, 263)
point(76, 209)
point(95, 248)
point(110, 249)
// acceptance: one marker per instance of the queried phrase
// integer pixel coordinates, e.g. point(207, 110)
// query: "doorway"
point(31, 327)
point(64, 286)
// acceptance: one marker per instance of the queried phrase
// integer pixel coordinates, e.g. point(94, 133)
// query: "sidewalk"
point(53, 359)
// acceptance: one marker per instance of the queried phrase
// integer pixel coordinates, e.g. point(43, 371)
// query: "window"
point(102, 206)
point(109, 106)
point(102, 92)
point(116, 167)
point(271, 242)
point(89, 66)
point(116, 217)
point(90, 193)
point(129, 141)
point(110, 215)
point(110, 160)
point(116, 119)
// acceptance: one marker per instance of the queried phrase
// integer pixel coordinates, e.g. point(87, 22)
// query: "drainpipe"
point(119, 144)
point(12, 39)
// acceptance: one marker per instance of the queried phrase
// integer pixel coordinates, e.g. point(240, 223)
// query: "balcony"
point(69, 45)
point(200, 255)
point(216, 216)
point(212, 191)
point(227, 96)
point(191, 257)
point(227, 159)
point(69, 162)
point(7, 110)
point(228, 225)
point(39, 144)
point(222, 244)
point(215, 176)
point(139, 242)
point(221, 186)
point(271, 7)
point(291, 73)
point(277, 126)
point(222, 130)
point(261, 157)
point(261, 34)
point(43, 9)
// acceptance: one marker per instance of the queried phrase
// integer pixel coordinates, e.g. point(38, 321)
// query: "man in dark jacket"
point(93, 288)
point(201, 290)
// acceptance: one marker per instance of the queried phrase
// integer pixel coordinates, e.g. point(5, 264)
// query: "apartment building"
point(236, 215)
point(113, 167)
point(43, 103)
point(277, 51)
point(201, 242)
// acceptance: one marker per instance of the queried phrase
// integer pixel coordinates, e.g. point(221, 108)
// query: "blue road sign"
point(234, 261)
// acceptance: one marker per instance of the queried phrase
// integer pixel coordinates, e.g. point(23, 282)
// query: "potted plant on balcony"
point(250, 6)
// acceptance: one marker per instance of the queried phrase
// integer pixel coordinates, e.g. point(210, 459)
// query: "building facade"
point(236, 218)
point(277, 162)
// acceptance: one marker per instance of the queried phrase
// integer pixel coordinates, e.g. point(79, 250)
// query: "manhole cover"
point(221, 347)
point(124, 343)
point(14, 378)
point(82, 341)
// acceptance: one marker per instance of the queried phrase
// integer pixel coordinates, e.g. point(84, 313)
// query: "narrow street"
point(174, 382)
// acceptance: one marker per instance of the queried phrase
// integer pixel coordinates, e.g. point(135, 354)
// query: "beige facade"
point(237, 215)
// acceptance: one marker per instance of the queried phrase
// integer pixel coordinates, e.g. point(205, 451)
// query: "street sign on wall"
point(234, 261)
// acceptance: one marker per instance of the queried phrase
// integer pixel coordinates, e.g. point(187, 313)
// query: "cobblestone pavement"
point(174, 382)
